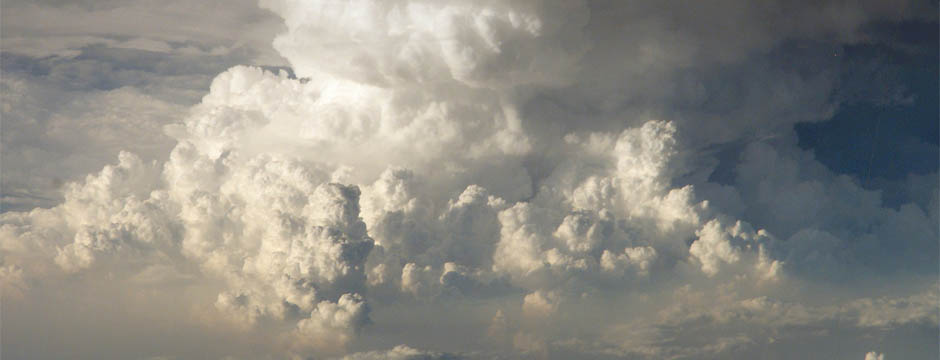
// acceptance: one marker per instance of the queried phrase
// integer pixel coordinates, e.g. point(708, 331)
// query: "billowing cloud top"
point(478, 179)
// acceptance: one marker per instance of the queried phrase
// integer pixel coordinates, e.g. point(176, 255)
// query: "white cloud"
point(400, 44)
point(540, 304)
point(441, 162)
point(332, 325)
point(400, 352)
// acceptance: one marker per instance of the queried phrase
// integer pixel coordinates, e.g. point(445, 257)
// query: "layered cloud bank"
point(537, 179)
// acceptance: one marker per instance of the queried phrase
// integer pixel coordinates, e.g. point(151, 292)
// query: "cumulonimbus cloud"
point(407, 168)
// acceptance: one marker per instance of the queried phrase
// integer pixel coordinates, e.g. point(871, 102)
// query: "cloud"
point(400, 352)
point(608, 180)
point(50, 128)
point(56, 28)
point(714, 326)
point(539, 304)
point(717, 246)
point(330, 326)
point(81, 79)
point(478, 45)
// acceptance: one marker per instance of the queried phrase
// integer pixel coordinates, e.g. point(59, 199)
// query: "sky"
point(415, 179)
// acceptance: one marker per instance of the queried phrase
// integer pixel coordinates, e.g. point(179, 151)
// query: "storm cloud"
point(463, 179)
